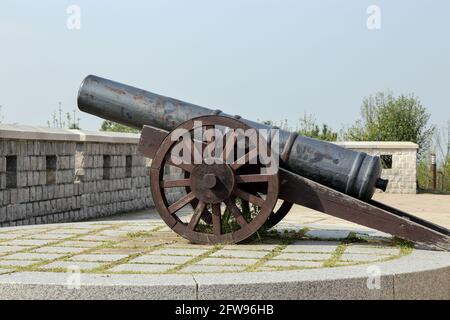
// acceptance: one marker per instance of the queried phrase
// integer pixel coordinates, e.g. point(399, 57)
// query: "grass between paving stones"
point(21, 236)
point(141, 234)
point(194, 260)
point(39, 263)
point(26, 248)
point(406, 247)
point(130, 257)
point(286, 237)
point(269, 256)
point(335, 256)
point(107, 265)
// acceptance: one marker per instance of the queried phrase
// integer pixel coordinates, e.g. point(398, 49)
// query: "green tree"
point(282, 124)
point(112, 126)
point(308, 127)
point(388, 118)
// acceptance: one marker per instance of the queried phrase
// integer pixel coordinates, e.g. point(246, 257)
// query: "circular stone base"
point(146, 260)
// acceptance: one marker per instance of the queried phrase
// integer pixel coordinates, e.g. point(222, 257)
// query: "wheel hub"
point(212, 183)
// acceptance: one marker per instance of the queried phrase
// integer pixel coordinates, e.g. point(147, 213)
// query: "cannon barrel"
point(354, 173)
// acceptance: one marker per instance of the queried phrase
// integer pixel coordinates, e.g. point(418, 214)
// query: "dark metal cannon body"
point(351, 172)
point(313, 173)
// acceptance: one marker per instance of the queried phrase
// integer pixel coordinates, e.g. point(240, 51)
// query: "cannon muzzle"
point(354, 173)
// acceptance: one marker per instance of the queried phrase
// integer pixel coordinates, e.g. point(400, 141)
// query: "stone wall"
point(399, 161)
point(56, 175)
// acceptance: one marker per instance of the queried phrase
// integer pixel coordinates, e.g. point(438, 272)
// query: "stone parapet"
point(52, 175)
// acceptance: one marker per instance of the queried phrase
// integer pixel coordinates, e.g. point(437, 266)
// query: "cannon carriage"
point(238, 176)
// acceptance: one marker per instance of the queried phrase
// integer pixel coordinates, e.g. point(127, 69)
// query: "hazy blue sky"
point(260, 59)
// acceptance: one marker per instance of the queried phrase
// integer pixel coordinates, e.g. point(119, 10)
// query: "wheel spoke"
point(249, 197)
point(248, 157)
point(216, 219)
point(185, 166)
point(180, 203)
point(175, 183)
point(196, 216)
point(228, 147)
point(249, 178)
point(236, 212)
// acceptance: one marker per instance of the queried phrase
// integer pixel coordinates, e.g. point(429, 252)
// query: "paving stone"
point(263, 247)
point(137, 228)
point(227, 261)
point(70, 265)
point(362, 257)
point(98, 257)
point(302, 256)
point(84, 225)
point(94, 237)
point(9, 236)
point(139, 267)
point(45, 236)
point(189, 246)
point(29, 242)
point(137, 244)
point(328, 234)
point(4, 271)
point(80, 244)
point(372, 250)
point(6, 249)
point(266, 269)
point(64, 250)
point(32, 256)
point(126, 251)
point(239, 254)
point(180, 252)
point(284, 263)
point(113, 233)
point(24, 232)
point(161, 259)
point(312, 246)
point(16, 263)
point(205, 268)
point(72, 231)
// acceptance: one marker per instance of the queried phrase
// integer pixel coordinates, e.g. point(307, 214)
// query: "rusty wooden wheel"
point(213, 189)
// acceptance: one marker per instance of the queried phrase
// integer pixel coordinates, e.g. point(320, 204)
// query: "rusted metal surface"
point(314, 174)
point(351, 172)
point(297, 189)
point(300, 190)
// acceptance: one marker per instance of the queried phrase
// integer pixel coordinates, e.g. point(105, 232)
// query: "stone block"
point(197, 268)
point(303, 256)
point(160, 259)
point(15, 263)
point(98, 257)
point(70, 265)
point(142, 268)
point(300, 264)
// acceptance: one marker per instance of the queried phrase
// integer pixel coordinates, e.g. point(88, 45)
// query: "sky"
point(260, 59)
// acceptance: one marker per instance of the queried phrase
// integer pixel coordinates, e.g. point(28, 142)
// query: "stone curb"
point(421, 275)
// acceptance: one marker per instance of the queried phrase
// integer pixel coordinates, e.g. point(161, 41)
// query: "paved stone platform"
point(145, 259)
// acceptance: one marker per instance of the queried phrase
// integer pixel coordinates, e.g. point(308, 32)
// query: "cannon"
point(239, 176)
